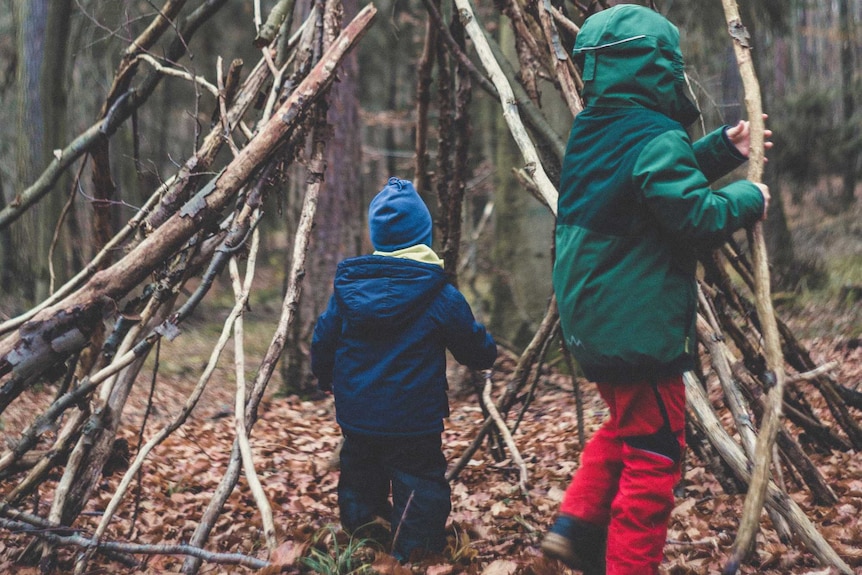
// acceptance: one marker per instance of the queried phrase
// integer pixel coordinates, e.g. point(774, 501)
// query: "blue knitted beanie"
point(398, 218)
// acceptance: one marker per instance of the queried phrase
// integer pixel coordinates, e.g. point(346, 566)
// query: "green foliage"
point(805, 135)
point(329, 556)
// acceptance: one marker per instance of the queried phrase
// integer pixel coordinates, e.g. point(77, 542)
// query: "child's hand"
point(740, 136)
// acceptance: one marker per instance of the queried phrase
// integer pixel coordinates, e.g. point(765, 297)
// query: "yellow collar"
point(419, 253)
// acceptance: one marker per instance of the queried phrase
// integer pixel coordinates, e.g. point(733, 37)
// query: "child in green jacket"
point(635, 206)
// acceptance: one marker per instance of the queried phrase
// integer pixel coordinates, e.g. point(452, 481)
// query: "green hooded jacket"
point(635, 202)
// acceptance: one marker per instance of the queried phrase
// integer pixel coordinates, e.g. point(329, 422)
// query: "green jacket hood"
point(630, 57)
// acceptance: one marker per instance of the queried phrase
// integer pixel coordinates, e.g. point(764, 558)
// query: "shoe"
point(578, 544)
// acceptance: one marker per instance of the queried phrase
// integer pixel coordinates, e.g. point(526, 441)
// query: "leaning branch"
point(241, 293)
point(118, 547)
point(115, 282)
point(510, 108)
point(753, 505)
point(699, 404)
point(507, 435)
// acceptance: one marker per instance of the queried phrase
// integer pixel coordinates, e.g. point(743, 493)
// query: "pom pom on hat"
point(398, 218)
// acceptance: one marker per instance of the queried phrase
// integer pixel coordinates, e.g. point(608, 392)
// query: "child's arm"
point(674, 188)
point(324, 342)
point(467, 339)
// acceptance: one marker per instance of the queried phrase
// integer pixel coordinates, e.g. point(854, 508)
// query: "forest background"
point(58, 61)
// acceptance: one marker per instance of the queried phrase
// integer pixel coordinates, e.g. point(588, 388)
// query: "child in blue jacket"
point(380, 346)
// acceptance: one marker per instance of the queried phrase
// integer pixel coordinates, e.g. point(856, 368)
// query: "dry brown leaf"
point(442, 569)
point(388, 565)
point(288, 552)
point(501, 567)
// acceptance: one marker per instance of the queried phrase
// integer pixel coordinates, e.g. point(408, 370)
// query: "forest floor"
point(494, 528)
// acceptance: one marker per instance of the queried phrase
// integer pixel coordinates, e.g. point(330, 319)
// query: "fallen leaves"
point(493, 529)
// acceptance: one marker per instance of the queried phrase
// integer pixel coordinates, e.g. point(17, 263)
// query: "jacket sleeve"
point(467, 339)
point(716, 155)
point(677, 192)
point(324, 342)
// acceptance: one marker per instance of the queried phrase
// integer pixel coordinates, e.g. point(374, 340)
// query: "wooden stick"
point(241, 293)
point(507, 435)
point(562, 65)
point(698, 403)
point(773, 417)
point(510, 108)
point(119, 547)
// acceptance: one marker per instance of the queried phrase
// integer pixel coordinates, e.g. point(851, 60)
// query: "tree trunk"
point(779, 241)
point(507, 317)
point(848, 99)
point(43, 31)
point(336, 231)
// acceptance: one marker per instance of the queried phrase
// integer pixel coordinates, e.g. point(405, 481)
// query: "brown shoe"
point(558, 547)
point(579, 545)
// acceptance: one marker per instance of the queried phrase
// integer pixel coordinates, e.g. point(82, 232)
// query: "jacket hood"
point(630, 56)
point(380, 294)
point(398, 218)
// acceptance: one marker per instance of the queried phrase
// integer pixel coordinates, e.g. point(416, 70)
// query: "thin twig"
point(241, 293)
point(403, 517)
point(507, 435)
point(169, 71)
point(139, 485)
point(67, 207)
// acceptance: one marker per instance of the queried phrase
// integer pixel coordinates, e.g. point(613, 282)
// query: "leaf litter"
point(493, 529)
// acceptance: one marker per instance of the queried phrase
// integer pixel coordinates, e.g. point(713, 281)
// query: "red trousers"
point(628, 472)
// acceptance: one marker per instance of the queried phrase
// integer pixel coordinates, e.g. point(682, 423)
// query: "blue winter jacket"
point(381, 345)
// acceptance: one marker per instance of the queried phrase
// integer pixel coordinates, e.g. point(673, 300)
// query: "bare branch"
point(133, 548)
point(510, 109)
point(753, 505)
point(176, 73)
point(507, 435)
point(241, 293)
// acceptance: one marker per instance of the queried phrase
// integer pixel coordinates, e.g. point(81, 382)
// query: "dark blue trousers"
point(414, 470)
